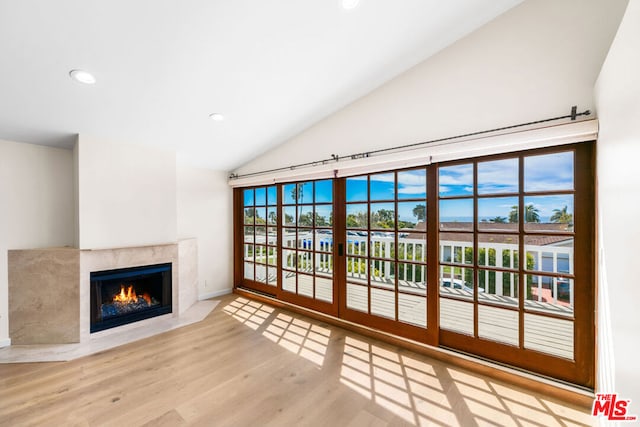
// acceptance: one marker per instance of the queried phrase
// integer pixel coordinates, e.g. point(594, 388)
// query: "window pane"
point(549, 172)
point(261, 215)
point(456, 180)
point(324, 289)
point(289, 214)
point(412, 216)
point(261, 273)
point(357, 298)
point(357, 243)
point(357, 189)
point(499, 176)
point(261, 234)
point(498, 250)
point(248, 197)
point(382, 186)
point(412, 309)
point(289, 194)
point(357, 216)
point(272, 215)
point(272, 256)
point(248, 234)
point(549, 213)
point(248, 252)
point(498, 214)
point(248, 270)
point(324, 191)
point(412, 247)
point(324, 264)
point(324, 240)
point(456, 281)
point(305, 239)
point(456, 214)
point(498, 287)
point(305, 285)
point(249, 215)
point(549, 294)
point(272, 276)
point(305, 215)
point(412, 184)
point(261, 254)
point(383, 245)
point(305, 194)
point(383, 303)
point(456, 316)
point(383, 216)
point(548, 335)
point(272, 195)
point(289, 259)
point(324, 215)
point(498, 324)
point(383, 273)
point(551, 254)
point(288, 281)
point(261, 196)
point(456, 248)
point(412, 278)
point(357, 270)
point(305, 262)
point(289, 239)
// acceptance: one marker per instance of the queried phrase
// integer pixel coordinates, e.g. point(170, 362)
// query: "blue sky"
point(542, 173)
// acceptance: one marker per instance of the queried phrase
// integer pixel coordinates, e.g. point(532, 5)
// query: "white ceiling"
point(272, 67)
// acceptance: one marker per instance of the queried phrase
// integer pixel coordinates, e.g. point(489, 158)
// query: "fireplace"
point(128, 295)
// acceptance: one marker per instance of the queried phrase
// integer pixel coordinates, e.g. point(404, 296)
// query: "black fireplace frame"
point(97, 278)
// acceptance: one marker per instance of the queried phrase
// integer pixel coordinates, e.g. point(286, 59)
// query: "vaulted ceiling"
point(272, 68)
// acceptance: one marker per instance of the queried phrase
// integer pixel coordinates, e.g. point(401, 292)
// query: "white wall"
point(618, 103)
point(534, 61)
point(36, 205)
point(205, 206)
point(126, 194)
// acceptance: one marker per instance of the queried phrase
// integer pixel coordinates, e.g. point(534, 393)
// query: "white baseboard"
point(5, 342)
point(214, 294)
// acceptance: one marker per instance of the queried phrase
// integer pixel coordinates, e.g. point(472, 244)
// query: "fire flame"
point(129, 296)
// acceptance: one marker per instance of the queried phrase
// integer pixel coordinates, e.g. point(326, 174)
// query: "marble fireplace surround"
point(49, 292)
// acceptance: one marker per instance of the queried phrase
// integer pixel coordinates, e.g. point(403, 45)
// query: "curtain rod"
point(335, 158)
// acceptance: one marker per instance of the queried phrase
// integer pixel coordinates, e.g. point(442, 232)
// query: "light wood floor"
point(249, 364)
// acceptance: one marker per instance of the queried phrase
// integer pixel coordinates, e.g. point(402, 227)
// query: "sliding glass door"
point(385, 234)
point(492, 256)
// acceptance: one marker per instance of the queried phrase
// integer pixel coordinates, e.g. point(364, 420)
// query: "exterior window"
point(386, 245)
point(307, 239)
point(491, 256)
point(260, 251)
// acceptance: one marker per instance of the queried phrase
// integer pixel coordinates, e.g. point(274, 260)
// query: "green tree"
point(532, 214)
point(273, 217)
point(420, 212)
point(562, 216)
point(358, 220)
point(383, 218)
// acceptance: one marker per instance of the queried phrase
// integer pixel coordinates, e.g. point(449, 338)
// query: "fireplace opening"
point(128, 295)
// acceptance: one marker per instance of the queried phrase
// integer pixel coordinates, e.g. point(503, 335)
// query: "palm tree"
point(297, 194)
point(498, 220)
point(562, 216)
point(531, 214)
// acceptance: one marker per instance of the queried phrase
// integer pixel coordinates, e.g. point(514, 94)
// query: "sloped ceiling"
point(273, 68)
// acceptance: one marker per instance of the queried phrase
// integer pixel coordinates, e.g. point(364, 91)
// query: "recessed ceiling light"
point(216, 116)
point(82, 76)
point(350, 4)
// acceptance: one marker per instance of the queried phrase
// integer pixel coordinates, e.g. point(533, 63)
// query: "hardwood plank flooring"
point(249, 364)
